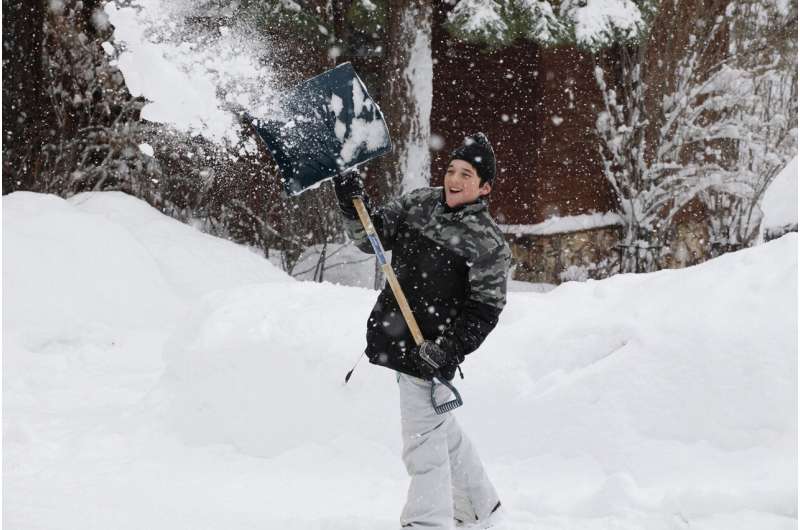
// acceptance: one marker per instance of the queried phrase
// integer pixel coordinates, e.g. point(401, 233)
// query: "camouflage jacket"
point(452, 265)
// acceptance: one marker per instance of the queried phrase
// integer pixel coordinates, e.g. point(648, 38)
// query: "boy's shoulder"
point(475, 229)
point(484, 228)
point(421, 202)
point(419, 196)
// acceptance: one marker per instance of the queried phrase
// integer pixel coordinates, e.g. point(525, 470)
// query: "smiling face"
point(462, 185)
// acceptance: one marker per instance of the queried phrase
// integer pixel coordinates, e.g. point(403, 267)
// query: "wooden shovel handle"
point(363, 215)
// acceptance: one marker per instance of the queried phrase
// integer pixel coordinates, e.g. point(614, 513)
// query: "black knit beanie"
point(477, 150)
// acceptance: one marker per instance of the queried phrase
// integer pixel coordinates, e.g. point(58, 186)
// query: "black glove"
point(348, 186)
point(436, 358)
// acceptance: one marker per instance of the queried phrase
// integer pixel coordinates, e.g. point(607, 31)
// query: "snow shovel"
point(331, 126)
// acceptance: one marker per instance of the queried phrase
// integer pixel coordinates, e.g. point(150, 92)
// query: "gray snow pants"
point(447, 477)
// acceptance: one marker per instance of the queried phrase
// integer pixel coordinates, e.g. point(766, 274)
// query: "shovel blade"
point(331, 125)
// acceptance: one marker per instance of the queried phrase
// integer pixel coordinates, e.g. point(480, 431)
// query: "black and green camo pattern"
point(452, 265)
point(469, 232)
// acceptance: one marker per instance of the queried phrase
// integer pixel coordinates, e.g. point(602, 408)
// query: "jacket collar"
point(463, 209)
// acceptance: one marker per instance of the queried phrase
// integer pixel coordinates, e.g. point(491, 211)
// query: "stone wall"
point(557, 258)
point(689, 245)
point(593, 254)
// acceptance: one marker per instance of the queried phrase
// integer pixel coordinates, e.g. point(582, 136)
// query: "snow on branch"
point(717, 131)
point(600, 22)
point(590, 24)
point(540, 23)
point(479, 20)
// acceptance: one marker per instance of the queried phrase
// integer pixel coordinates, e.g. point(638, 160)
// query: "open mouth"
point(453, 190)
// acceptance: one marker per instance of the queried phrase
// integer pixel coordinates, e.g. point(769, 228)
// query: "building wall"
point(493, 92)
point(568, 170)
point(536, 106)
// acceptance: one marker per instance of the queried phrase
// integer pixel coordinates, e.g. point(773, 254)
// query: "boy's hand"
point(435, 356)
point(348, 186)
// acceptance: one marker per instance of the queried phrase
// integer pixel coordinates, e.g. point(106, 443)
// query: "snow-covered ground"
point(156, 377)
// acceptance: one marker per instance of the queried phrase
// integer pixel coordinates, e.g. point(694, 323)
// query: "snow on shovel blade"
point(331, 125)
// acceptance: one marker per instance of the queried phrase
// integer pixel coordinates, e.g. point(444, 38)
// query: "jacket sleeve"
point(385, 219)
point(482, 308)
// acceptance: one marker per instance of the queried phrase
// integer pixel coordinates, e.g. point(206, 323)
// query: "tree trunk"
point(408, 94)
point(26, 111)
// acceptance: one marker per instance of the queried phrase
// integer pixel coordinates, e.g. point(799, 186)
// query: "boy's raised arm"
point(385, 218)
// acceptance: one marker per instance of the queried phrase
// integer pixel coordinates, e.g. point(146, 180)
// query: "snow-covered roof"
point(561, 225)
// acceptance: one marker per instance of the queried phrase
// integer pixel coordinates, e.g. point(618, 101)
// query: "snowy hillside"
point(156, 377)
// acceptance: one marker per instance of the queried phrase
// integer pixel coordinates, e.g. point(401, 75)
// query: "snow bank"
point(161, 378)
point(193, 263)
point(677, 388)
point(780, 200)
point(672, 391)
point(262, 368)
point(100, 263)
point(67, 275)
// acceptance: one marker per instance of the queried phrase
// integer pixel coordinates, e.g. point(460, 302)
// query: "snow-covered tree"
point(95, 147)
point(675, 128)
point(26, 110)
point(762, 76)
point(590, 24)
point(87, 120)
point(648, 148)
point(407, 96)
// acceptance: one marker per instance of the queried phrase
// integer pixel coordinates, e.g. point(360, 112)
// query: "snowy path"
point(93, 460)
point(151, 381)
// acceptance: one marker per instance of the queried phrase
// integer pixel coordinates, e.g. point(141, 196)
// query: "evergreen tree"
point(499, 23)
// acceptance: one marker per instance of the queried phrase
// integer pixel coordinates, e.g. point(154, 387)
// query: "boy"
point(451, 260)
